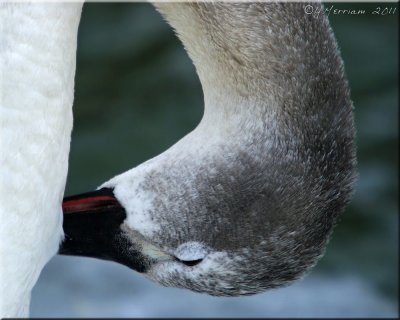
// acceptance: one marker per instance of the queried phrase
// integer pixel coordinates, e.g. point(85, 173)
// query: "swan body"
point(248, 200)
point(38, 49)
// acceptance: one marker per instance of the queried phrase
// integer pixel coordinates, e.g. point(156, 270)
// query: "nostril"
point(190, 263)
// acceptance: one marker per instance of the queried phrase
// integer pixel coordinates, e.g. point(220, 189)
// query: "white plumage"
point(37, 61)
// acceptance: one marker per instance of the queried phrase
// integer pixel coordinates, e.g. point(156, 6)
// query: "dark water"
point(137, 93)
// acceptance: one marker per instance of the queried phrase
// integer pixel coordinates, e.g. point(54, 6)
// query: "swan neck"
point(267, 54)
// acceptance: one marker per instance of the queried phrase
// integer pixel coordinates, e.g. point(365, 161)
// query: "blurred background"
point(137, 93)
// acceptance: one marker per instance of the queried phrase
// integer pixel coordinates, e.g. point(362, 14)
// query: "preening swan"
point(246, 201)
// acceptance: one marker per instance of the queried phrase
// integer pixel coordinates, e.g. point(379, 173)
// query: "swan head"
point(220, 230)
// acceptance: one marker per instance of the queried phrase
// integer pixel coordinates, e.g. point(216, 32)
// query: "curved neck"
point(37, 61)
point(266, 56)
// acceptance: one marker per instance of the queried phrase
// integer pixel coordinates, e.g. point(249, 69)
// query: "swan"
point(246, 201)
point(37, 60)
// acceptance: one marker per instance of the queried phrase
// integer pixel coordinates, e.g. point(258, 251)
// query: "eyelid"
point(191, 252)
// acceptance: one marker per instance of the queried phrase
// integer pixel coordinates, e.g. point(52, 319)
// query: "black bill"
point(92, 227)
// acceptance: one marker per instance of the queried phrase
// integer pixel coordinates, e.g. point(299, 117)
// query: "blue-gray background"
point(137, 93)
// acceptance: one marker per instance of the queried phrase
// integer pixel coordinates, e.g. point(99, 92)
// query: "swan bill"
point(92, 227)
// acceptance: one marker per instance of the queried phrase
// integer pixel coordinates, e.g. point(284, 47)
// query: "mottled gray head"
point(248, 200)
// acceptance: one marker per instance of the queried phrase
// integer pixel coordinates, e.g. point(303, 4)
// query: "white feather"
point(37, 60)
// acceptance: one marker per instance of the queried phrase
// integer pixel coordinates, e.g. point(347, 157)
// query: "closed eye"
point(190, 263)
